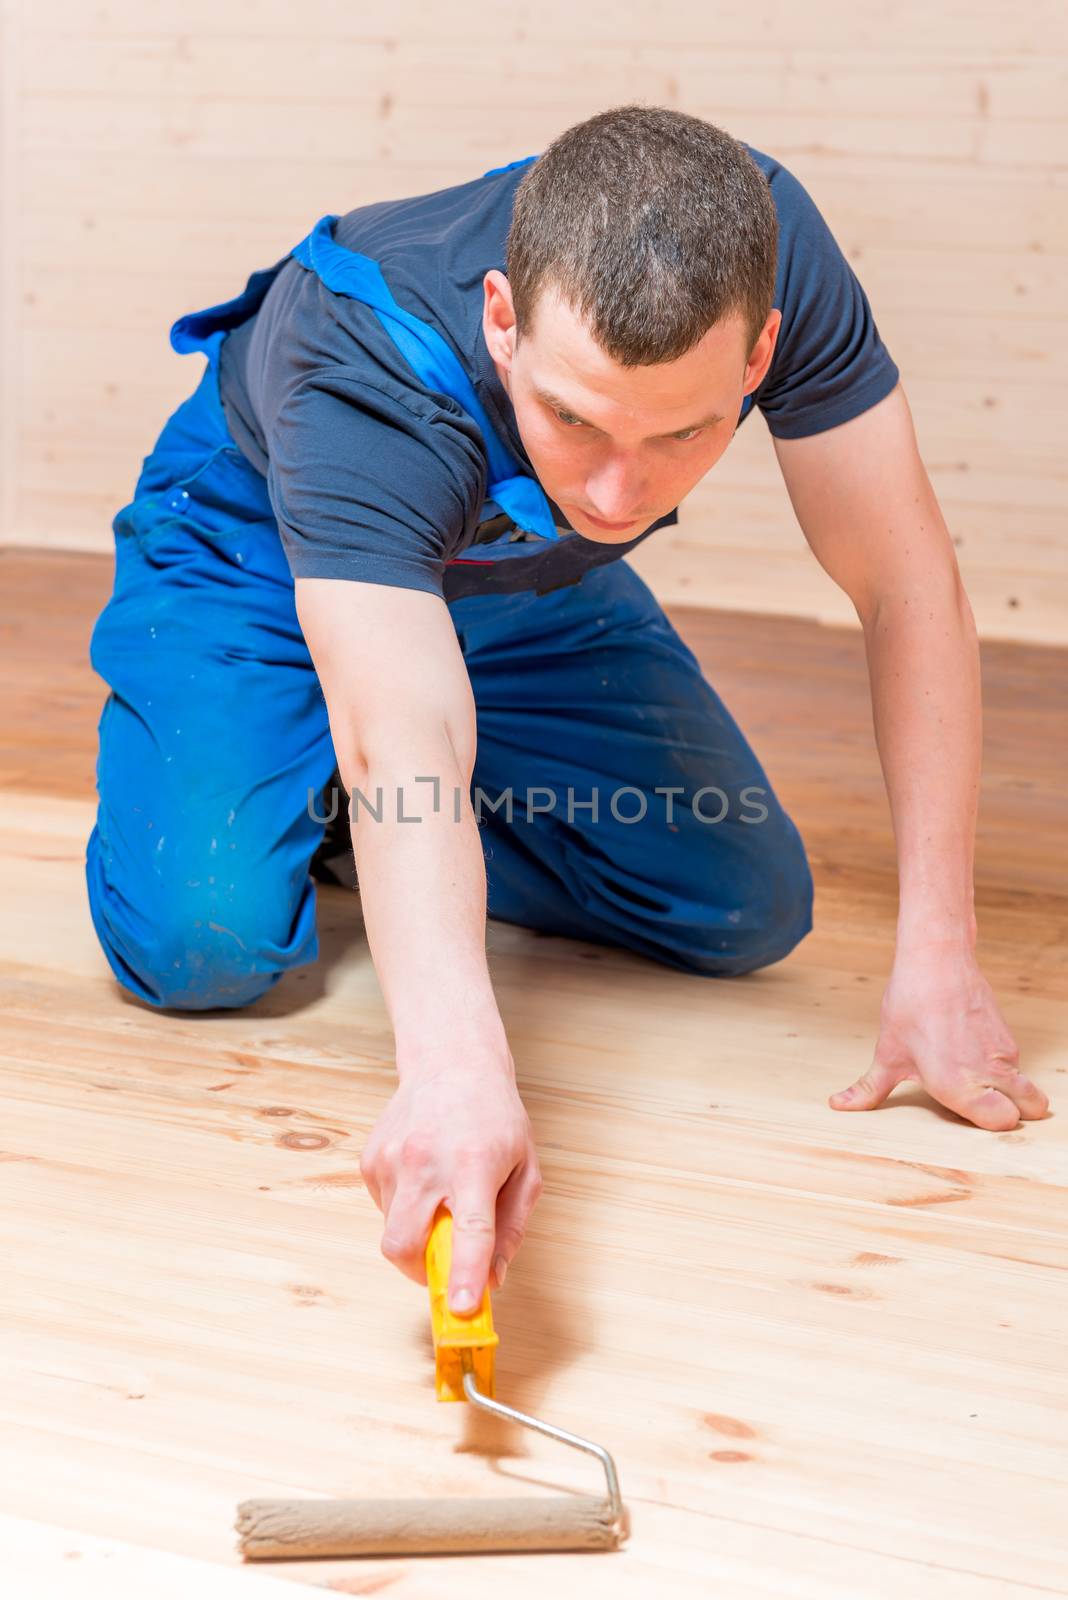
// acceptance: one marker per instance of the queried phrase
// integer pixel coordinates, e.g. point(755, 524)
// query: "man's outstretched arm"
point(869, 512)
point(402, 718)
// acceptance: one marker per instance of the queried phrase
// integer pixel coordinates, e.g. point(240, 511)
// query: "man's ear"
point(498, 317)
point(760, 360)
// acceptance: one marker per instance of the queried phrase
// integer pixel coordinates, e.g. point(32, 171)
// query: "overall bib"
point(215, 743)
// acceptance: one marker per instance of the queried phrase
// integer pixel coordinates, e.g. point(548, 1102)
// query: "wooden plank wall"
point(153, 154)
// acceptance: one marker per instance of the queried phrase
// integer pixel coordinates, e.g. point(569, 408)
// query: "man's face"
point(618, 447)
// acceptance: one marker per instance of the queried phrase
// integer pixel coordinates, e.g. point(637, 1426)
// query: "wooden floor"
point(827, 1350)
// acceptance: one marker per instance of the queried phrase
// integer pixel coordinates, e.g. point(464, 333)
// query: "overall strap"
point(205, 330)
point(510, 167)
point(434, 363)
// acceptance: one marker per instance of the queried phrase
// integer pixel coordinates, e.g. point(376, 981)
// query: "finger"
point(870, 1090)
point(514, 1204)
point(408, 1222)
point(986, 1107)
point(1033, 1103)
point(998, 1102)
point(380, 1167)
point(370, 1183)
point(410, 1162)
point(1003, 1100)
point(474, 1229)
point(984, 1098)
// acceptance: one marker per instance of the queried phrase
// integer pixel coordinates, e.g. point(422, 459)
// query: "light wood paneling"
point(827, 1350)
point(154, 155)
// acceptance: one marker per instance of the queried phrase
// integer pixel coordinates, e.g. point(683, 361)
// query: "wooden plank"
point(1038, 29)
point(361, 72)
point(203, 128)
point(239, 1290)
point(862, 1387)
point(10, 57)
point(686, 571)
point(44, 1560)
point(169, 153)
point(939, 207)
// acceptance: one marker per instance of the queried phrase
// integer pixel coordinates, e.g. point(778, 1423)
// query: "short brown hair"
point(652, 225)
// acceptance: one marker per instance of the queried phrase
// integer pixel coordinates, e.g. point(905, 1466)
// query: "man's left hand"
point(940, 1026)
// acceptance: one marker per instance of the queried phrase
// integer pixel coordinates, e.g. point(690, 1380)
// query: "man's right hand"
point(458, 1135)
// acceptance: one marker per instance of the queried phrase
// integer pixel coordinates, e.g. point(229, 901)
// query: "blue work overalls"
point(215, 745)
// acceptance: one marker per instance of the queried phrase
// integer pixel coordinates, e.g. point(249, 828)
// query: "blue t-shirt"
point(372, 476)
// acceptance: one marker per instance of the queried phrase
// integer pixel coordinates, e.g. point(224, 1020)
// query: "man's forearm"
point(923, 660)
point(423, 890)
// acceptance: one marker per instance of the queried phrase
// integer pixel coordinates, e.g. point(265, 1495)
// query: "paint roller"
point(287, 1530)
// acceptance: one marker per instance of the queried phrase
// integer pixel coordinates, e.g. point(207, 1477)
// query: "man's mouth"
point(611, 527)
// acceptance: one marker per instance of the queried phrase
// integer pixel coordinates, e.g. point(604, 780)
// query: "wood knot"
point(303, 1141)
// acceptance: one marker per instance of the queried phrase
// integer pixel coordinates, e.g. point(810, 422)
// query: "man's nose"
point(616, 491)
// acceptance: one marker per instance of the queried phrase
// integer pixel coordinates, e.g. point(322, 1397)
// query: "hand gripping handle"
point(456, 1337)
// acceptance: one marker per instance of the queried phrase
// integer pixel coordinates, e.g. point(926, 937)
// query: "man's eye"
point(567, 419)
point(691, 433)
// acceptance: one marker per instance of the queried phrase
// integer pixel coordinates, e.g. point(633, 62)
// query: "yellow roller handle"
point(455, 1335)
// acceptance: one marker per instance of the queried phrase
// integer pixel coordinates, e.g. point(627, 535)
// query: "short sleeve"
point(372, 481)
point(829, 363)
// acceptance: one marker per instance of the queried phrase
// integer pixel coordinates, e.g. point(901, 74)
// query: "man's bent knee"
point(199, 969)
point(775, 916)
point(186, 953)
